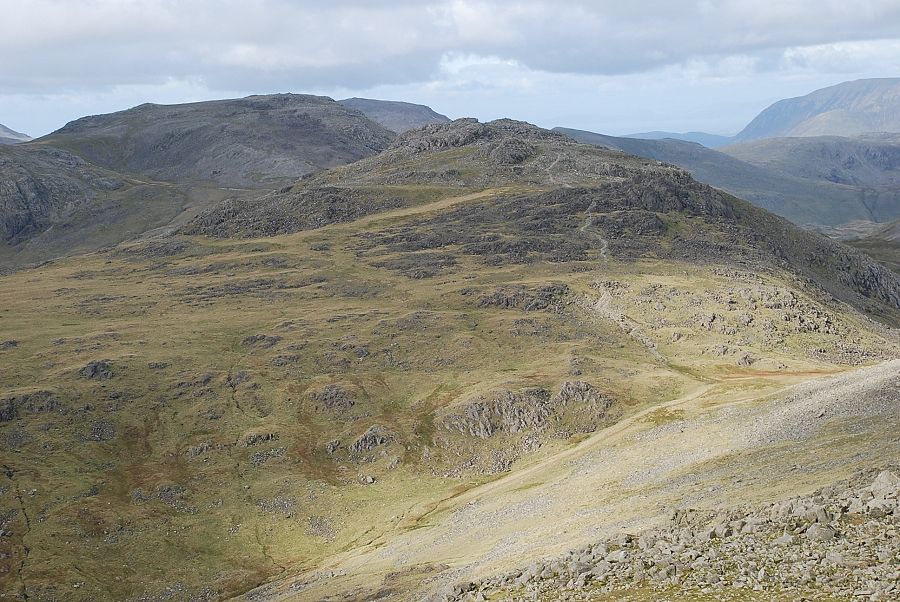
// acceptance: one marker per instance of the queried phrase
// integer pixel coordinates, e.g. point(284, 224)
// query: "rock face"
point(395, 116)
point(39, 186)
point(255, 142)
point(847, 109)
point(843, 540)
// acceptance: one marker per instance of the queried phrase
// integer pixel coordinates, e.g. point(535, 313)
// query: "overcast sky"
point(608, 66)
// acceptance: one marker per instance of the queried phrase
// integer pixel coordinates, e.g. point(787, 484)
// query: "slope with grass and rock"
point(107, 178)
point(811, 181)
point(483, 346)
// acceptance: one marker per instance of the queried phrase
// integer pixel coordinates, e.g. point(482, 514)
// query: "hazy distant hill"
point(8, 136)
point(395, 116)
point(883, 244)
point(804, 197)
point(707, 140)
point(869, 161)
point(847, 109)
point(253, 142)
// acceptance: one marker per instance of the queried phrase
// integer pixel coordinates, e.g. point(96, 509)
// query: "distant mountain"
point(395, 116)
point(253, 142)
point(104, 179)
point(707, 140)
point(805, 197)
point(8, 136)
point(847, 109)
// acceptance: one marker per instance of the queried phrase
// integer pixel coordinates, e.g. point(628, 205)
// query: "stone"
point(785, 539)
point(886, 484)
point(375, 436)
point(817, 532)
point(617, 556)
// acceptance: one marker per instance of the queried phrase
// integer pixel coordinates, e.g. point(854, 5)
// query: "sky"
point(614, 66)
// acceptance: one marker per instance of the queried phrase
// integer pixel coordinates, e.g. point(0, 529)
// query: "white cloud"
point(95, 49)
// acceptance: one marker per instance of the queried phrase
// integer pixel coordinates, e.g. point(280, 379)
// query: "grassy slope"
point(190, 304)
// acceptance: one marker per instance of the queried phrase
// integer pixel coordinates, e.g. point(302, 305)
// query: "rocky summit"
point(306, 358)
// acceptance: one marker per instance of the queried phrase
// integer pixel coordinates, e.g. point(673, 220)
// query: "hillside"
point(794, 187)
point(867, 162)
point(847, 109)
point(104, 179)
point(394, 115)
point(253, 142)
point(8, 136)
point(397, 375)
point(53, 203)
point(883, 244)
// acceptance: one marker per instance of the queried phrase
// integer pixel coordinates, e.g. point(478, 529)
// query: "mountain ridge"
point(260, 141)
point(706, 139)
point(804, 197)
point(845, 109)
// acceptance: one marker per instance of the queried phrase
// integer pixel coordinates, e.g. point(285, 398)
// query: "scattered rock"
point(333, 398)
point(98, 370)
point(375, 436)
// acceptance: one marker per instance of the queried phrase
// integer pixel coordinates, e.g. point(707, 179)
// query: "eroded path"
point(713, 448)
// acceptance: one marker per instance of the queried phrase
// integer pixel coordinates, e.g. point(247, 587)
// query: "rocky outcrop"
point(333, 398)
point(513, 412)
point(97, 370)
point(375, 436)
point(37, 402)
point(547, 297)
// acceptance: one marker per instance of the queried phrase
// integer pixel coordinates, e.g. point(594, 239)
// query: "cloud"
point(111, 50)
point(239, 44)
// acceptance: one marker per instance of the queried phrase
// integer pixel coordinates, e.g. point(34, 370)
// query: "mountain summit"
point(253, 142)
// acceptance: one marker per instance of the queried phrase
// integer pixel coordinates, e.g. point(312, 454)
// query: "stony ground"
point(842, 541)
point(692, 499)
